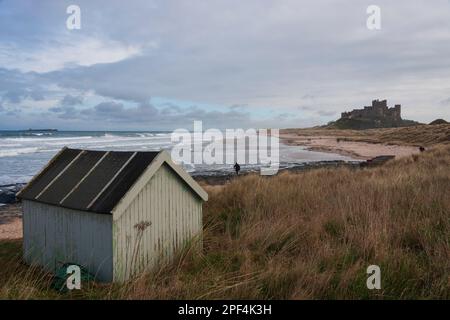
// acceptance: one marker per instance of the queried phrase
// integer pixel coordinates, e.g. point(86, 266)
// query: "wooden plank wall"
point(162, 218)
point(55, 235)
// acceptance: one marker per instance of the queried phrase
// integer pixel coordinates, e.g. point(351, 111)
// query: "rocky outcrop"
point(8, 193)
point(438, 121)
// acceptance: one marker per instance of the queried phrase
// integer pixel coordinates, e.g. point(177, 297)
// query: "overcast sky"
point(155, 65)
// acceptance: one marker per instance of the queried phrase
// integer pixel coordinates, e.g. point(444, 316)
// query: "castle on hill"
point(378, 110)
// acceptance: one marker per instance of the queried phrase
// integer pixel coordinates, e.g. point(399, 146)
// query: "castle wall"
point(379, 109)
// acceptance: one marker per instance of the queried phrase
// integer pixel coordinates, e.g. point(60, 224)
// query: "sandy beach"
point(354, 149)
point(10, 222)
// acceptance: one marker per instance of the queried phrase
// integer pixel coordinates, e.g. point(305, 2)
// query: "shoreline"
point(211, 177)
point(221, 178)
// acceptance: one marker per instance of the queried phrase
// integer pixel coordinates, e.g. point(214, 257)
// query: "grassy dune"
point(308, 235)
point(426, 135)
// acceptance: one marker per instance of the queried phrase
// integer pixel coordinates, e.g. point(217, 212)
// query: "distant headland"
point(41, 130)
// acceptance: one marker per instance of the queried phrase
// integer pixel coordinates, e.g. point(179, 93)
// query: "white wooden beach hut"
point(115, 213)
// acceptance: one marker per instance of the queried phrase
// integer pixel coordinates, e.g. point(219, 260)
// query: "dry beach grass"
point(307, 235)
point(426, 135)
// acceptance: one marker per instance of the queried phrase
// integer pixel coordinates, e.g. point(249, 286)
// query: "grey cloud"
point(70, 100)
point(237, 106)
point(319, 110)
point(13, 112)
point(16, 95)
point(145, 114)
point(67, 112)
point(326, 113)
point(284, 116)
point(110, 108)
point(66, 109)
point(306, 108)
point(445, 102)
point(16, 86)
point(56, 109)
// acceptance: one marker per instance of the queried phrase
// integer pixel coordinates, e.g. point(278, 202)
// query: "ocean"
point(24, 153)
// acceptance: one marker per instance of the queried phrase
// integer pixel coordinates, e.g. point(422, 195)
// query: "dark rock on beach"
point(8, 193)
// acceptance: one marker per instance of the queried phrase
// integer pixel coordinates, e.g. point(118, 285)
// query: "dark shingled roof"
point(87, 180)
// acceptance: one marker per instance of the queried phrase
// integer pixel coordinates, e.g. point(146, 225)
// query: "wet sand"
point(354, 149)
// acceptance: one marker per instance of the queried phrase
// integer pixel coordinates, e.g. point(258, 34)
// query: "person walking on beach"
point(237, 168)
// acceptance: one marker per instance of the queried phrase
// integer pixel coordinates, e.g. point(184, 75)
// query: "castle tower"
point(398, 112)
point(379, 107)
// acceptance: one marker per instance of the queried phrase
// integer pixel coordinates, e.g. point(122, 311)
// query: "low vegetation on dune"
point(368, 123)
point(307, 235)
point(438, 121)
point(426, 135)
